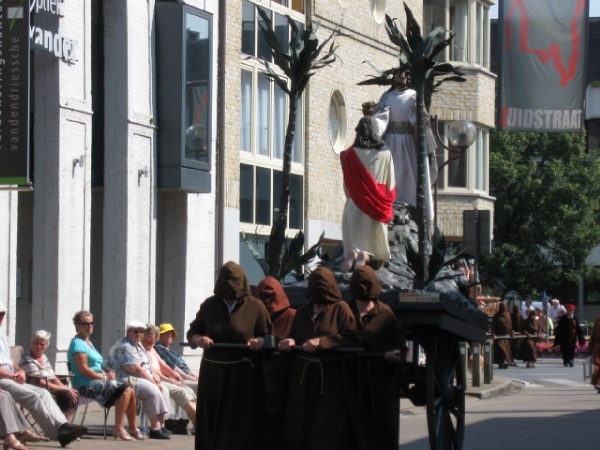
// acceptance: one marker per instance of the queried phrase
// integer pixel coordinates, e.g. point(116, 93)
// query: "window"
point(263, 126)
point(260, 190)
point(183, 54)
point(468, 173)
point(337, 122)
point(263, 118)
point(253, 41)
point(469, 20)
point(378, 10)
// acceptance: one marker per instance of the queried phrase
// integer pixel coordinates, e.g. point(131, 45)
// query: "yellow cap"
point(166, 327)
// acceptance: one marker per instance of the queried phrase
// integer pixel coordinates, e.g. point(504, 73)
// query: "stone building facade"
point(96, 230)
point(111, 224)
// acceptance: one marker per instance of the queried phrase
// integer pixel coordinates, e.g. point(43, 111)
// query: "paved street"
point(548, 412)
point(549, 408)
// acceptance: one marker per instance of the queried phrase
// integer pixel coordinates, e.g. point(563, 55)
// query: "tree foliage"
point(546, 217)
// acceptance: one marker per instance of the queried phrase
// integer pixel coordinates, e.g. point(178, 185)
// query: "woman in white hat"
point(130, 362)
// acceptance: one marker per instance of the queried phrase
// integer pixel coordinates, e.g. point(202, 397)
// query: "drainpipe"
point(221, 135)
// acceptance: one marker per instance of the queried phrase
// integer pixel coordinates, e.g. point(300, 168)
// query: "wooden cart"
point(440, 385)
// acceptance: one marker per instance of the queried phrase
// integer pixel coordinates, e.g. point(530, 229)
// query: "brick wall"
point(472, 100)
point(450, 211)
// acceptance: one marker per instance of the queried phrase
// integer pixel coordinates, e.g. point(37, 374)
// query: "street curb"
point(500, 387)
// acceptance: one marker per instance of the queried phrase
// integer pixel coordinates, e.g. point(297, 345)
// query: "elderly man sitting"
point(36, 400)
point(167, 334)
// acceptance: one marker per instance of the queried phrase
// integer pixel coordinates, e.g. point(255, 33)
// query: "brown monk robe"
point(276, 366)
point(593, 350)
point(502, 326)
point(531, 327)
point(230, 407)
point(372, 380)
point(320, 406)
point(517, 326)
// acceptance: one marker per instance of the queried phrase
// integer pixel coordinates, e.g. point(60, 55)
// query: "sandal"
point(12, 442)
point(29, 436)
point(137, 434)
point(121, 434)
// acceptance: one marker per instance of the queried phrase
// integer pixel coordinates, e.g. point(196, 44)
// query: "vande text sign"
point(14, 92)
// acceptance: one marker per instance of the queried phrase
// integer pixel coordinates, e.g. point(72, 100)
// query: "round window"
point(378, 10)
point(337, 122)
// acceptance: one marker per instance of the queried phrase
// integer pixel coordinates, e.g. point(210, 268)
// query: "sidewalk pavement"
point(95, 418)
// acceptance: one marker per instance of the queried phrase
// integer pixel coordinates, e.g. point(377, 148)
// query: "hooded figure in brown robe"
point(321, 412)
point(276, 366)
point(594, 350)
point(517, 325)
point(502, 326)
point(230, 407)
point(373, 379)
point(531, 328)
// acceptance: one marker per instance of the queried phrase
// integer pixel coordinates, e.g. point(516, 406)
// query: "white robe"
point(401, 106)
point(359, 231)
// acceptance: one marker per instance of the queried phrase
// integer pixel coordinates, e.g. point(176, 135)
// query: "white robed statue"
point(396, 116)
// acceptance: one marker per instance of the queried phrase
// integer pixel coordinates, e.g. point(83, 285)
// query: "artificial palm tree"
point(298, 66)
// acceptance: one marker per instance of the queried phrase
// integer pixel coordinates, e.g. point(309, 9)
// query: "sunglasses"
point(86, 324)
point(138, 331)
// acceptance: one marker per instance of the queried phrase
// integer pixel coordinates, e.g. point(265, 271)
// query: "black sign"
point(14, 92)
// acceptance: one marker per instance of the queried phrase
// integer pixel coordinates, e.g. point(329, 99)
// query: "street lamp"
point(461, 135)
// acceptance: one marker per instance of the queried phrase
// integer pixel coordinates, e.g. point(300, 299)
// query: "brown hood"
point(322, 287)
point(270, 292)
point(364, 284)
point(232, 283)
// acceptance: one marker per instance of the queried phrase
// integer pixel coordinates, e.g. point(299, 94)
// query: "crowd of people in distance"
point(533, 324)
point(286, 399)
point(141, 367)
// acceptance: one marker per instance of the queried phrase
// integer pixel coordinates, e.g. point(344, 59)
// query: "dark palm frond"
point(275, 77)
point(414, 36)
point(454, 78)
point(396, 37)
point(376, 81)
point(443, 68)
point(434, 38)
point(281, 58)
point(441, 46)
point(294, 259)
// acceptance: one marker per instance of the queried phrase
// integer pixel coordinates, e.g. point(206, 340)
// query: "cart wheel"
point(445, 388)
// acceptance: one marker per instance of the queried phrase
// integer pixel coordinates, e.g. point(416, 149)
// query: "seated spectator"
point(12, 422)
point(167, 334)
point(92, 382)
point(183, 396)
point(128, 358)
point(40, 373)
point(36, 400)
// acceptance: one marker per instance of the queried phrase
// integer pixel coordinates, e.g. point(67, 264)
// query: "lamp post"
point(461, 135)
